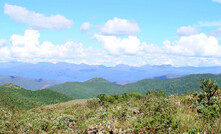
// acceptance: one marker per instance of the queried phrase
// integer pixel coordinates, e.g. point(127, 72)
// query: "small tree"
point(210, 89)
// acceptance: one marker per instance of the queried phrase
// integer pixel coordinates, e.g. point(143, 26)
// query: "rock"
point(136, 112)
point(95, 129)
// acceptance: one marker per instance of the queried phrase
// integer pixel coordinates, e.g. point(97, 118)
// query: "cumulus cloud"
point(193, 50)
point(28, 47)
point(85, 26)
point(119, 26)
point(219, 1)
point(199, 49)
point(118, 46)
point(4, 51)
point(195, 45)
point(3, 43)
point(187, 30)
point(35, 20)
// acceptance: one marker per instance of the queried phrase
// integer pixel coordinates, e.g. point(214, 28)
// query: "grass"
point(155, 112)
point(152, 113)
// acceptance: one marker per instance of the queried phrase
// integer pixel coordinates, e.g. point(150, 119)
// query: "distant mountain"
point(96, 86)
point(121, 82)
point(81, 72)
point(15, 96)
point(28, 83)
point(168, 76)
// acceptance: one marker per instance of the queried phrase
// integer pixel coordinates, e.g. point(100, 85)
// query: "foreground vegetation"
point(198, 112)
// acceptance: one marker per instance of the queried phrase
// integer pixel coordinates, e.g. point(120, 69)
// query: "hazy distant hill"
point(96, 86)
point(28, 83)
point(15, 96)
point(82, 72)
point(168, 76)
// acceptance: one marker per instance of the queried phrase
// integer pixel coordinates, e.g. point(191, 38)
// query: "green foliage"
point(103, 98)
point(96, 86)
point(156, 92)
point(15, 97)
point(93, 103)
point(210, 89)
point(135, 95)
point(127, 113)
point(152, 113)
point(208, 99)
point(85, 90)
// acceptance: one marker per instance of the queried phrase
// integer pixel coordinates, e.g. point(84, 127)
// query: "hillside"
point(12, 96)
point(96, 86)
point(27, 83)
point(87, 89)
point(171, 86)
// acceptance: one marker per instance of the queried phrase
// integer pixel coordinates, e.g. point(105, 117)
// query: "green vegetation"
point(155, 112)
point(96, 86)
point(88, 89)
point(12, 96)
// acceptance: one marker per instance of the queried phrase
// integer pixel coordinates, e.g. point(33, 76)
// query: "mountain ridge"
point(15, 96)
point(82, 72)
point(28, 83)
point(84, 90)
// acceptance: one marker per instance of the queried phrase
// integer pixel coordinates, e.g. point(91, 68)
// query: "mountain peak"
point(97, 79)
point(11, 86)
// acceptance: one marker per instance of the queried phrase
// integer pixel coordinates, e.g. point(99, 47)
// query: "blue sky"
point(180, 33)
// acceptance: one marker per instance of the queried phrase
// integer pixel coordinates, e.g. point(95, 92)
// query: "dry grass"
point(68, 104)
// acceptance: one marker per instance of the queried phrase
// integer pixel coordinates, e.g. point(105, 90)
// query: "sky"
point(98, 32)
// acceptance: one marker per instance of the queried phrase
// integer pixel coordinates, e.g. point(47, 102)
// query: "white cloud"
point(36, 20)
point(219, 1)
point(195, 45)
point(28, 47)
point(3, 43)
point(216, 32)
point(187, 30)
point(119, 26)
point(193, 50)
point(85, 26)
point(210, 24)
point(118, 46)
point(4, 51)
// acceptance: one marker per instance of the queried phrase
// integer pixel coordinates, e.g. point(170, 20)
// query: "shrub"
point(135, 95)
point(209, 90)
point(208, 101)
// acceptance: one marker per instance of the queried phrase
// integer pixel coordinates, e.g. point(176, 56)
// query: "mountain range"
point(124, 74)
point(15, 96)
point(28, 83)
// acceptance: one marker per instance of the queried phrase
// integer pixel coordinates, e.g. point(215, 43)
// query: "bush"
point(208, 99)
point(93, 103)
point(135, 95)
